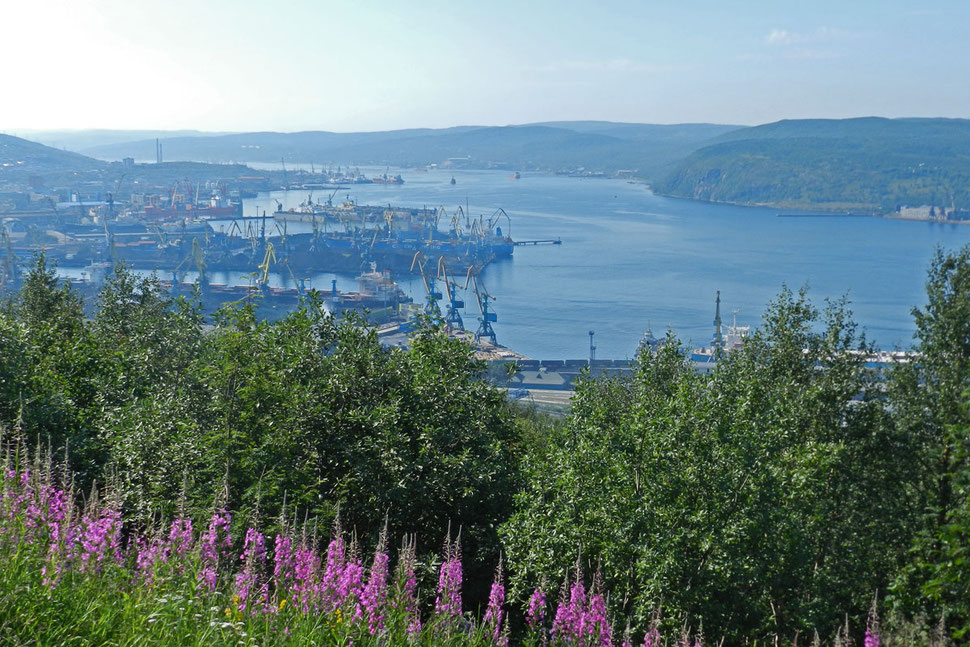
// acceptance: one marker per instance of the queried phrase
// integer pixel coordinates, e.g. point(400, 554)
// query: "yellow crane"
point(268, 259)
point(196, 257)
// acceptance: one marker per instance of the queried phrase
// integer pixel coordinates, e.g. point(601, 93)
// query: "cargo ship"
point(385, 179)
point(182, 202)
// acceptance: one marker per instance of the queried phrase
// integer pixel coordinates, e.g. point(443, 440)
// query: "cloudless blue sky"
point(344, 66)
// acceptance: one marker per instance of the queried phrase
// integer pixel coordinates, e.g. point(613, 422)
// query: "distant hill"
point(648, 149)
point(858, 164)
point(30, 157)
point(692, 133)
point(78, 140)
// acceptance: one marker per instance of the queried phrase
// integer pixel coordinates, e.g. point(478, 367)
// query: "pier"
point(545, 241)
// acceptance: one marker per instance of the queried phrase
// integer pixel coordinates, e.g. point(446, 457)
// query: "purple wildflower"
point(374, 595)
point(652, 637)
point(100, 538)
point(283, 564)
point(306, 571)
point(180, 537)
point(333, 571)
point(872, 626)
point(247, 581)
point(448, 602)
point(494, 611)
point(210, 546)
point(596, 622)
point(570, 620)
point(149, 555)
point(350, 583)
point(535, 615)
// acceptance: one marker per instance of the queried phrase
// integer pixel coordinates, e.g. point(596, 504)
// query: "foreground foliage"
point(772, 497)
point(769, 496)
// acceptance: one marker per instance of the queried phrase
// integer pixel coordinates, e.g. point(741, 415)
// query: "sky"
point(289, 65)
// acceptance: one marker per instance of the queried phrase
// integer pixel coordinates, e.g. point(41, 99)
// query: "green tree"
point(760, 499)
point(54, 353)
point(149, 394)
point(929, 400)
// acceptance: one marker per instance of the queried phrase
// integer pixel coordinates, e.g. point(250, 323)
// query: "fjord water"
point(630, 259)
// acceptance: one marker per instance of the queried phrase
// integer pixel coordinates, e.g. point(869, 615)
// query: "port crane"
point(300, 282)
point(488, 317)
point(430, 285)
point(453, 318)
point(268, 259)
point(197, 258)
point(496, 217)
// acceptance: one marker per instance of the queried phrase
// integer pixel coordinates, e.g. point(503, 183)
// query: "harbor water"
point(630, 259)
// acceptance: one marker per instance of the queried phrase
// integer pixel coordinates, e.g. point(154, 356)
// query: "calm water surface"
point(630, 259)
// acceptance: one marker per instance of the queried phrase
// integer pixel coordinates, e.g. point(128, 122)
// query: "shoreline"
point(817, 212)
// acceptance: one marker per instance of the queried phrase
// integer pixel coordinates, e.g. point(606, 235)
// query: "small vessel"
point(386, 179)
point(453, 180)
point(515, 176)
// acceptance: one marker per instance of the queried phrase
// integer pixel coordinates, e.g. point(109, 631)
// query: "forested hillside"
point(169, 481)
point(868, 164)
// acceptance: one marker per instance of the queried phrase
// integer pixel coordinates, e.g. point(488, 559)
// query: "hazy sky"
point(374, 65)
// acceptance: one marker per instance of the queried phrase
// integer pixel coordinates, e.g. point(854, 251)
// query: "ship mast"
point(718, 341)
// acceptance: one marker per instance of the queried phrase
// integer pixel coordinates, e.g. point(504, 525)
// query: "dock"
point(545, 241)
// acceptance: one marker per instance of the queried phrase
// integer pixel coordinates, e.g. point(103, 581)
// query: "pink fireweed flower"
point(100, 538)
point(180, 537)
point(149, 555)
point(283, 563)
point(448, 602)
point(652, 637)
point(374, 595)
point(570, 621)
point(333, 572)
point(59, 553)
point(306, 572)
point(216, 540)
point(494, 610)
point(535, 615)
point(872, 626)
point(596, 623)
point(248, 586)
point(350, 583)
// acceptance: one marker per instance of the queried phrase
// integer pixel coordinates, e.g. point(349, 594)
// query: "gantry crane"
point(487, 316)
point(197, 258)
point(268, 259)
point(453, 317)
point(431, 308)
